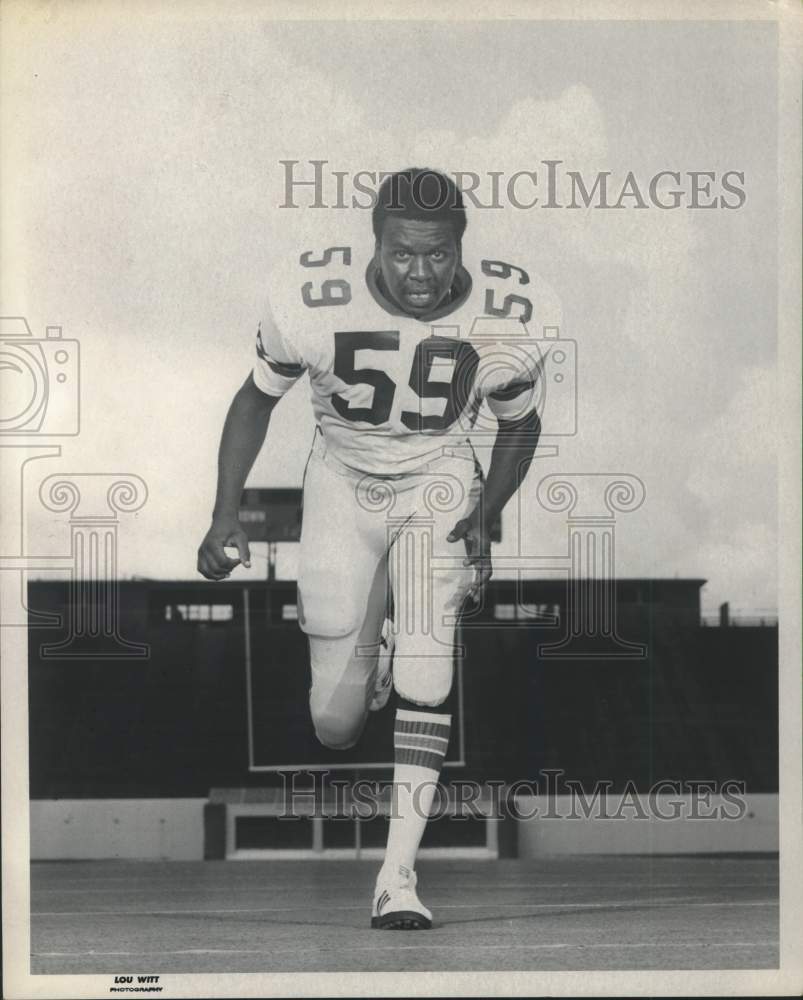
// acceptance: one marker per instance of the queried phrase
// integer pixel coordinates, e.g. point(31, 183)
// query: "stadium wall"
point(179, 830)
point(135, 829)
point(643, 829)
point(701, 705)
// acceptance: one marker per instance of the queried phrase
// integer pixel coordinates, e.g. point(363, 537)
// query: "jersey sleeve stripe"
point(284, 369)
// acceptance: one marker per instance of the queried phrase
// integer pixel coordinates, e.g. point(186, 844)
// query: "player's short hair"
point(422, 194)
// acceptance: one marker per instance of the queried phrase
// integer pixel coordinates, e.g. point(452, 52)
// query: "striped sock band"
point(421, 738)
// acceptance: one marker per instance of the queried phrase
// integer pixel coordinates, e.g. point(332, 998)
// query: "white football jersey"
point(391, 391)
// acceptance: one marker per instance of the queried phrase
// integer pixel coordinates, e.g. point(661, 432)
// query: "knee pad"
point(335, 735)
point(340, 693)
point(338, 713)
point(327, 609)
point(422, 670)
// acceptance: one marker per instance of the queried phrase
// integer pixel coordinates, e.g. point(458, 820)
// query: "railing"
point(758, 618)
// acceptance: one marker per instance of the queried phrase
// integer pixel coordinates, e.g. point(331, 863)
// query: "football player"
point(403, 340)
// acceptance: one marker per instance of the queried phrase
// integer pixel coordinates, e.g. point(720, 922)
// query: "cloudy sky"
point(147, 219)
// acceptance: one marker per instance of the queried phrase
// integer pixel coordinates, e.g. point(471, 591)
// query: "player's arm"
point(243, 435)
point(511, 456)
point(276, 369)
point(513, 403)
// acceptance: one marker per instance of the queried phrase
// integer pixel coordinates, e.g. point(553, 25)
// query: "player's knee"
point(422, 668)
point(333, 732)
point(426, 683)
point(329, 613)
point(338, 712)
point(335, 739)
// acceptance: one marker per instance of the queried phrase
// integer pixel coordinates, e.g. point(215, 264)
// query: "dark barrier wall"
point(702, 705)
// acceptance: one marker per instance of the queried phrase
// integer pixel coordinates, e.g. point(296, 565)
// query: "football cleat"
point(384, 673)
point(396, 904)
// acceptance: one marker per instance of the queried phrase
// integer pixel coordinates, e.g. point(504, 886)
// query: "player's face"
point(418, 261)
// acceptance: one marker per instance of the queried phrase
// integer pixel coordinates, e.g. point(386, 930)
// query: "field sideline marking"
point(412, 947)
point(630, 904)
point(514, 886)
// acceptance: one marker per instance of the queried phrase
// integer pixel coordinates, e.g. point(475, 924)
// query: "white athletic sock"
point(420, 740)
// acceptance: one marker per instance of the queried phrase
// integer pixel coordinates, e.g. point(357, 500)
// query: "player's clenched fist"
point(213, 563)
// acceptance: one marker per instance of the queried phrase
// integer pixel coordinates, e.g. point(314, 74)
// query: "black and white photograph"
point(400, 549)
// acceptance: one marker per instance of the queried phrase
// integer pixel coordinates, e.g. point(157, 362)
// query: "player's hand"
point(478, 550)
point(213, 563)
